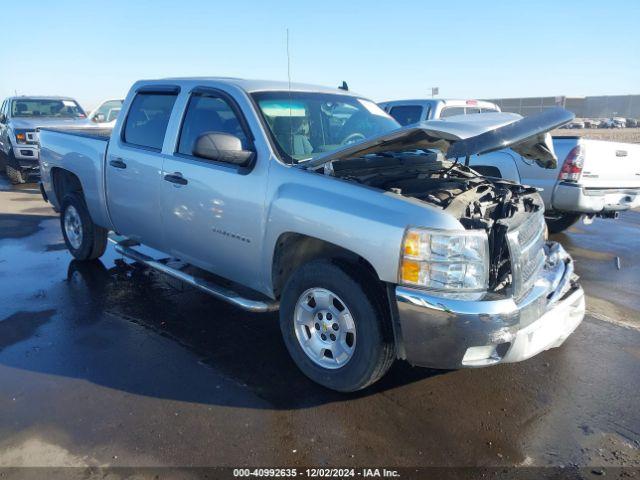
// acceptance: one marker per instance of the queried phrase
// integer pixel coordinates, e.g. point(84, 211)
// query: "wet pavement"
point(111, 364)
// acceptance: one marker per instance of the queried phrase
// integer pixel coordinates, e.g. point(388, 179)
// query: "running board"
point(217, 291)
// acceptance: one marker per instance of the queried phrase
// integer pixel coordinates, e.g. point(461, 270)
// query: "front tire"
point(335, 327)
point(3, 161)
point(84, 239)
point(561, 221)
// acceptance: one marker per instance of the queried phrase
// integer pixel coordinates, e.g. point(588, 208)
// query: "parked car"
point(372, 244)
point(19, 118)
point(106, 113)
point(631, 123)
point(619, 122)
point(616, 122)
point(595, 178)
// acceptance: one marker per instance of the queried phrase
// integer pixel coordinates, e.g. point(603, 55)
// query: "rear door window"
point(406, 114)
point(148, 118)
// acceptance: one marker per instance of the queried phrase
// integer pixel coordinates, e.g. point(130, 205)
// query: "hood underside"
point(464, 135)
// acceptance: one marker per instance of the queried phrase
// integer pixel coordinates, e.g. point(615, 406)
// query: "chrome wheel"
point(73, 226)
point(325, 328)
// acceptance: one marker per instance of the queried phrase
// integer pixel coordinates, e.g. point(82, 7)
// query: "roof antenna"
point(344, 86)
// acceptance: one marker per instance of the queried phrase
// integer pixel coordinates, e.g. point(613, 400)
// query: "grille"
point(526, 247)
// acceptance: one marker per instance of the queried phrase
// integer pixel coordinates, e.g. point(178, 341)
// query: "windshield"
point(33, 107)
point(305, 125)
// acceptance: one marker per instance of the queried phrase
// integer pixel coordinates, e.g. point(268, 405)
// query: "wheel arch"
point(294, 249)
point(64, 182)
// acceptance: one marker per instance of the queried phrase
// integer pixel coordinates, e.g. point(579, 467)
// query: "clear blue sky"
point(95, 49)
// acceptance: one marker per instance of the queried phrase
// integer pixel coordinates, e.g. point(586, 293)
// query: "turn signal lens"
point(21, 137)
point(410, 271)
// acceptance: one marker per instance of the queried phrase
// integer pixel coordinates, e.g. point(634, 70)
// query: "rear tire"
point(372, 350)
point(84, 239)
point(560, 222)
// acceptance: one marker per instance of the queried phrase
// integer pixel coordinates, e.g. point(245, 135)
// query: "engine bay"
point(477, 201)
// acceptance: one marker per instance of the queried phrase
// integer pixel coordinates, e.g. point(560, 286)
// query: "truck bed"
point(82, 152)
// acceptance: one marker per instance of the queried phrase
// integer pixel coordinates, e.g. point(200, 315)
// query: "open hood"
point(464, 135)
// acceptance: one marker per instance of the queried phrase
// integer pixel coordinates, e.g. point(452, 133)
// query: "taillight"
point(572, 166)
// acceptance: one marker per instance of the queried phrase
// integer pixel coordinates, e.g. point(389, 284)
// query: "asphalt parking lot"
point(111, 364)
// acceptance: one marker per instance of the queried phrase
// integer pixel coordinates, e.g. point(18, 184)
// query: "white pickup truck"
point(592, 177)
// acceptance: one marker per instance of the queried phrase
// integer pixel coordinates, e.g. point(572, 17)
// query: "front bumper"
point(452, 333)
point(26, 155)
point(576, 198)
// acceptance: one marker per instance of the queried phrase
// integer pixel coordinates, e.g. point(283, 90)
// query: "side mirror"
point(98, 118)
point(222, 147)
point(3, 118)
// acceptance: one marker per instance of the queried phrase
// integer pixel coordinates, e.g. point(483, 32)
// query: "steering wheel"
point(352, 138)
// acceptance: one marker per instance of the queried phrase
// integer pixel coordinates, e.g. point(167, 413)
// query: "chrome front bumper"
point(441, 332)
point(575, 198)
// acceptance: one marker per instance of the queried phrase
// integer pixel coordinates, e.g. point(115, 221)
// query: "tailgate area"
point(610, 165)
point(609, 180)
point(577, 198)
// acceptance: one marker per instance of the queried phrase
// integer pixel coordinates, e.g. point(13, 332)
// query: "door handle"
point(176, 178)
point(118, 163)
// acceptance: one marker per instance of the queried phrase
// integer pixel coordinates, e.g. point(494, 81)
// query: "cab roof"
point(248, 85)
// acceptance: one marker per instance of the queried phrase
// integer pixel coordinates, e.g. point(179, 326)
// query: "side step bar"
point(217, 291)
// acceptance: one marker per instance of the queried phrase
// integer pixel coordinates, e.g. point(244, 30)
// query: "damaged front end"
point(498, 207)
point(494, 291)
point(423, 163)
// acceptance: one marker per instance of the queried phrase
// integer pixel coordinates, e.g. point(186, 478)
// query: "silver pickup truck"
point(595, 178)
point(368, 238)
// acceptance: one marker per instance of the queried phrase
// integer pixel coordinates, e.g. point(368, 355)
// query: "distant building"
point(583, 107)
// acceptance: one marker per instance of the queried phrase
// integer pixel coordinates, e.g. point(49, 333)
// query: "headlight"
point(21, 135)
point(445, 260)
